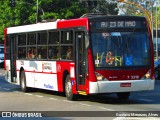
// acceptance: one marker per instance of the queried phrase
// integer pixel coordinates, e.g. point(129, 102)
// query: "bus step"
point(82, 92)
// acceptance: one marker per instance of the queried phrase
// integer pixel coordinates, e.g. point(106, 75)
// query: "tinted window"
point(42, 38)
point(32, 39)
point(22, 39)
point(67, 37)
point(21, 52)
point(53, 37)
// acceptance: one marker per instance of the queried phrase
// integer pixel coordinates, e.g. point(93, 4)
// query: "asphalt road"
point(55, 105)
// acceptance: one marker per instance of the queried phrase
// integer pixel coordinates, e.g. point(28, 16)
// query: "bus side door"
point(13, 57)
point(81, 55)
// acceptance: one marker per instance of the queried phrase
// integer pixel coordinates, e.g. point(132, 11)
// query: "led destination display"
point(117, 24)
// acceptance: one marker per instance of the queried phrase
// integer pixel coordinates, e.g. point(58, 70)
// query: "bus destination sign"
point(117, 24)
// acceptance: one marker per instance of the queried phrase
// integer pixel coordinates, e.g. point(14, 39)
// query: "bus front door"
point(80, 60)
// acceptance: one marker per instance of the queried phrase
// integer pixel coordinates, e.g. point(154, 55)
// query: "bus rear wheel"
point(68, 89)
point(123, 95)
point(24, 88)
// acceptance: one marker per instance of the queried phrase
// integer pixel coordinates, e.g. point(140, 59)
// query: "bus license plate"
point(125, 85)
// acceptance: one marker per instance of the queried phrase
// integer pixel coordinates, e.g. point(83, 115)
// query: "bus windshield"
point(120, 49)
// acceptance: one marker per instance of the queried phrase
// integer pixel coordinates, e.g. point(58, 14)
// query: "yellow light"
point(99, 77)
point(148, 75)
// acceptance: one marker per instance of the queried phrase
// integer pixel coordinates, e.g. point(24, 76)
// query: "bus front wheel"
point(123, 95)
point(24, 88)
point(68, 89)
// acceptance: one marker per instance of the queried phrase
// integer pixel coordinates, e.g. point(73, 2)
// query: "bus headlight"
point(99, 77)
point(147, 75)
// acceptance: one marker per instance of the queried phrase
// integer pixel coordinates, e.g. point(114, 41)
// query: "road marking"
point(106, 108)
point(68, 101)
point(53, 98)
point(28, 94)
point(16, 91)
point(146, 100)
point(84, 104)
point(39, 96)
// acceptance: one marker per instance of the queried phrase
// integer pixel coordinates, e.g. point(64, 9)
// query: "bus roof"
point(47, 26)
point(32, 27)
point(65, 23)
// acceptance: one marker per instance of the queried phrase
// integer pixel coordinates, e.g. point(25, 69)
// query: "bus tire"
point(24, 88)
point(68, 89)
point(123, 95)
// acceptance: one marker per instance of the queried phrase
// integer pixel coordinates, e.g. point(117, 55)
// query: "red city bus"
point(89, 55)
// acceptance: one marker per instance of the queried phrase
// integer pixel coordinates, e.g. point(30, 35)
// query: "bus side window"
point(66, 52)
point(53, 52)
point(32, 53)
point(21, 52)
point(67, 41)
point(69, 53)
point(42, 52)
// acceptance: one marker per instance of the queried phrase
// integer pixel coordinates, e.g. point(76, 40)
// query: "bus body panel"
point(7, 72)
point(116, 75)
point(64, 68)
point(44, 75)
point(39, 74)
point(73, 23)
point(116, 86)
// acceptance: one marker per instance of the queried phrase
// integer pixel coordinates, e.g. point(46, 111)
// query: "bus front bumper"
point(119, 86)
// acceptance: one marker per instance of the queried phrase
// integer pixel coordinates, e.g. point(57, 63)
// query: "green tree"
point(6, 17)
point(25, 11)
point(146, 4)
point(101, 6)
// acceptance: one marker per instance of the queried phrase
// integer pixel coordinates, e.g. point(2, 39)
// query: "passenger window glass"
point(42, 52)
point(32, 39)
point(67, 37)
point(21, 52)
point(21, 39)
point(67, 52)
point(54, 37)
point(53, 52)
point(31, 53)
point(42, 39)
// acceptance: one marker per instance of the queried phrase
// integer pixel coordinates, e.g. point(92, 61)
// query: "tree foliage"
point(146, 4)
point(25, 11)
point(103, 6)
